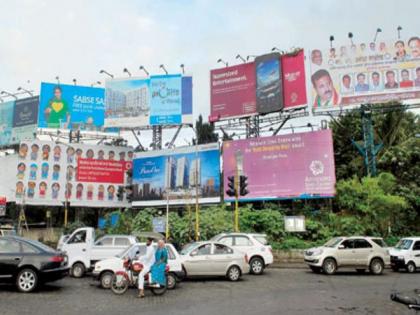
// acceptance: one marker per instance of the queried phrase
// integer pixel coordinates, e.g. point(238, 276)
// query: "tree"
point(205, 131)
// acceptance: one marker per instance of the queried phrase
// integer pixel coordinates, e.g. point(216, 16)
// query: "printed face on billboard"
point(365, 73)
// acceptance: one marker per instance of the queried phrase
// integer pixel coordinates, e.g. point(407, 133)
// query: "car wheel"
point(411, 267)
point(234, 273)
point(78, 270)
point(329, 266)
point(257, 266)
point(171, 281)
point(315, 269)
point(361, 271)
point(376, 266)
point(26, 280)
point(106, 279)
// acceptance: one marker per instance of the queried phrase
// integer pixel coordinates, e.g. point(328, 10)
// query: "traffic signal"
point(243, 185)
point(231, 192)
point(120, 193)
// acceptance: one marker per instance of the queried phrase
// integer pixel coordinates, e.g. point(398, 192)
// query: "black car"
point(29, 263)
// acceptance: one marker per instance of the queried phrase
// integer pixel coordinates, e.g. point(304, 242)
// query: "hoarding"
point(283, 167)
point(18, 120)
point(176, 176)
point(2, 206)
point(71, 107)
point(294, 80)
point(232, 92)
point(269, 87)
point(85, 175)
point(365, 73)
point(158, 100)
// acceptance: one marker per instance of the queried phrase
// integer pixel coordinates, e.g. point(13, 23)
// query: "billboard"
point(232, 92)
point(283, 167)
point(365, 73)
point(71, 107)
point(294, 80)
point(269, 87)
point(158, 100)
point(48, 173)
point(175, 176)
point(18, 120)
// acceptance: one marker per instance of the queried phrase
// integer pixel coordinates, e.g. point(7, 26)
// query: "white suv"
point(406, 254)
point(255, 247)
point(356, 252)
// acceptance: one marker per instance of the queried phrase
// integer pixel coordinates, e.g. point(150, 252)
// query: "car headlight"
point(317, 252)
point(97, 267)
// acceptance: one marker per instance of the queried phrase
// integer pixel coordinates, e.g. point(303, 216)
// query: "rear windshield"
point(41, 246)
point(404, 244)
point(380, 242)
point(261, 238)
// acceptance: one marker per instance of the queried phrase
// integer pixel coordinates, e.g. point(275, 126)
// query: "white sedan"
point(213, 259)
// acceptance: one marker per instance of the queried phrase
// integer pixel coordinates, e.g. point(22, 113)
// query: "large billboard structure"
point(290, 166)
point(18, 120)
point(176, 176)
point(155, 100)
point(71, 107)
point(48, 173)
point(365, 73)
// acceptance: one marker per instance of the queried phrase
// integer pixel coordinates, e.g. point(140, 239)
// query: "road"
point(278, 291)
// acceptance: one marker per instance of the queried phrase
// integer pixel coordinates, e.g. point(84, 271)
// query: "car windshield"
point(333, 242)
point(216, 237)
point(404, 244)
point(262, 239)
point(187, 248)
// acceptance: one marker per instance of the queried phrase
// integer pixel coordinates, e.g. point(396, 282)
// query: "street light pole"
point(197, 209)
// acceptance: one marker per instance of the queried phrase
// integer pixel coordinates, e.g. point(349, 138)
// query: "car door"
point(102, 247)
point(77, 248)
point(198, 261)
point(345, 254)
point(416, 253)
point(10, 257)
point(243, 244)
point(362, 251)
point(221, 257)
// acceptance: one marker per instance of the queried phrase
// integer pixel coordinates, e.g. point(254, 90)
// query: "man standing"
point(326, 93)
point(376, 84)
point(147, 261)
point(390, 80)
point(361, 85)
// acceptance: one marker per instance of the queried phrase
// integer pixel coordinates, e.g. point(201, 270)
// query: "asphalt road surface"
point(278, 291)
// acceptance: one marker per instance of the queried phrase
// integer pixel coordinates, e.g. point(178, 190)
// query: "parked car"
point(255, 246)
point(104, 269)
point(356, 252)
point(406, 254)
point(6, 230)
point(213, 259)
point(83, 251)
point(29, 263)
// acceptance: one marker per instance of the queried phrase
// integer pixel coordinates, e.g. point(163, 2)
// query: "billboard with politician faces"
point(71, 107)
point(18, 120)
point(156, 100)
point(283, 167)
point(270, 84)
point(48, 173)
point(373, 72)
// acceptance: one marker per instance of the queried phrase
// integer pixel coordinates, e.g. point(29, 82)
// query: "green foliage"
point(70, 228)
point(205, 131)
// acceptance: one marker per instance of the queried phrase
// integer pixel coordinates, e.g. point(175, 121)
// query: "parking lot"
point(278, 291)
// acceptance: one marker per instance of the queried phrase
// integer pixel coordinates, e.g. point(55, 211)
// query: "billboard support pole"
point(167, 216)
point(197, 214)
point(281, 125)
point(157, 137)
point(138, 140)
point(253, 126)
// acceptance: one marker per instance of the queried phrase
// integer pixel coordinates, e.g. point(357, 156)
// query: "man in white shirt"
point(147, 261)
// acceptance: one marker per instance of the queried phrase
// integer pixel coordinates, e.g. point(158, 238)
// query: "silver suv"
point(357, 252)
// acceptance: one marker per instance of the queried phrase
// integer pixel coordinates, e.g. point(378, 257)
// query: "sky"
point(42, 39)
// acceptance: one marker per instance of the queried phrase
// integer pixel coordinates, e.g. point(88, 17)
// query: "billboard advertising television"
point(283, 167)
point(366, 73)
point(71, 107)
point(174, 175)
point(48, 173)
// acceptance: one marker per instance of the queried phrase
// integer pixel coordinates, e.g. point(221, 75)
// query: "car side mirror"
point(137, 253)
point(341, 247)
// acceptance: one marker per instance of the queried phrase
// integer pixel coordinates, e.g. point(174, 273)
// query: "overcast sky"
point(77, 38)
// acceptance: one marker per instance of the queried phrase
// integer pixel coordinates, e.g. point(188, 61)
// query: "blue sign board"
point(159, 224)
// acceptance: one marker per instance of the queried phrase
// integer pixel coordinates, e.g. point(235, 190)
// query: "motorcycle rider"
point(147, 260)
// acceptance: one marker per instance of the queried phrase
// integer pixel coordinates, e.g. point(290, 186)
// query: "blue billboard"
point(71, 107)
point(177, 176)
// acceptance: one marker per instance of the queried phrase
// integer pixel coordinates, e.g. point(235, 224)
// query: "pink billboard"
point(283, 167)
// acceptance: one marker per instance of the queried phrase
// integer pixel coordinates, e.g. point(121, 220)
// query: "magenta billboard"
point(283, 167)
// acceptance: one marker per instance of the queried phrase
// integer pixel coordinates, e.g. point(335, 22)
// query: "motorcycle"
point(411, 302)
point(122, 280)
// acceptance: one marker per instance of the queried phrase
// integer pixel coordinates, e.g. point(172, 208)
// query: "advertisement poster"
point(166, 100)
point(158, 100)
point(48, 173)
point(366, 73)
point(269, 83)
point(71, 107)
point(290, 166)
point(294, 80)
point(175, 176)
point(2, 206)
point(18, 120)
point(232, 92)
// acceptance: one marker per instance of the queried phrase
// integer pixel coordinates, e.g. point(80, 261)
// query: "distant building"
point(127, 103)
point(182, 172)
point(195, 176)
point(170, 173)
